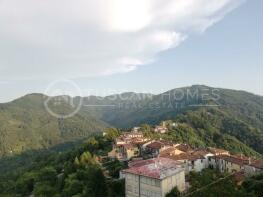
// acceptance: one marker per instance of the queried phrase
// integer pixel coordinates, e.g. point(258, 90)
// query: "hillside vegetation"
point(208, 116)
point(25, 125)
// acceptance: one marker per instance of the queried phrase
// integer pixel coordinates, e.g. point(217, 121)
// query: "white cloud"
point(80, 38)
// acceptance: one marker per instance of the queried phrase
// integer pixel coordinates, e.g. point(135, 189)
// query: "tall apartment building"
point(153, 178)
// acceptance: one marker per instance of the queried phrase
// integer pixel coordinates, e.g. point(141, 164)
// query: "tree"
point(76, 161)
point(92, 144)
point(87, 159)
point(44, 190)
point(114, 168)
point(48, 175)
point(25, 183)
point(254, 185)
point(174, 193)
point(93, 180)
point(72, 187)
point(112, 133)
point(146, 129)
point(117, 188)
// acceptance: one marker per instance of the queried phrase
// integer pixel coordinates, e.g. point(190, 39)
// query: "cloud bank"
point(82, 38)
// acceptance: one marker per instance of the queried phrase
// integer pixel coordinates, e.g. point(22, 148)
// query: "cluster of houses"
point(157, 166)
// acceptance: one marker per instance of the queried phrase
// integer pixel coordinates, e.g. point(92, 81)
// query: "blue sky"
point(228, 54)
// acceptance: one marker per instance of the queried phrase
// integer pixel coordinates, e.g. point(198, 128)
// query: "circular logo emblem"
point(60, 101)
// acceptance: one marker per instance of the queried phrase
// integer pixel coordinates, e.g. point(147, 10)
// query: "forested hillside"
point(81, 172)
point(229, 118)
point(25, 125)
point(210, 127)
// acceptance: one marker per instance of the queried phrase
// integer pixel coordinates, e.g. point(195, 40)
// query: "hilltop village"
point(156, 166)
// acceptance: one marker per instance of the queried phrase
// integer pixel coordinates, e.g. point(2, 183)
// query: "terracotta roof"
point(184, 147)
point(157, 168)
point(200, 152)
point(179, 157)
point(129, 146)
point(155, 145)
point(217, 150)
point(185, 156)
point(257, 164)
point(233, 159)
point(168, 151)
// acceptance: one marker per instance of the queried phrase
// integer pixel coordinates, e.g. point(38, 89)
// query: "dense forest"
point(77, 172)
point(84, 172)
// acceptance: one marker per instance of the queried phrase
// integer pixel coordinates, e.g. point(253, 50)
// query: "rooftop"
point(234, 159)
point(185, 156)
point(184, 147)
point(257, 164)
point(217, 151)
point(158, 168)
point(159, 144)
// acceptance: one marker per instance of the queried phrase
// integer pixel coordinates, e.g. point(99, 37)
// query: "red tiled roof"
point(129, 146)
point(168, 151)
point(157, 168)
point(233, 159)
point(155, 145)
point(217, 150)
point(200, 152)
point(184, 147)
point(185, 156)
point(159, 144)
point(257, 164)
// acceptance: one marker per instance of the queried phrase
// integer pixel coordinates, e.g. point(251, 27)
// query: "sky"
point(104, 47)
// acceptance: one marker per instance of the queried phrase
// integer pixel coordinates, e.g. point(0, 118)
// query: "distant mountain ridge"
point(25, 123)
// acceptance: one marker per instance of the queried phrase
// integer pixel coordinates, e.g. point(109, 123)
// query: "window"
point(149, 182)
point(143, 192)
point(143, 180)
point(157, 183)
point(136, 190)
point(129, 188)
point(158, 194)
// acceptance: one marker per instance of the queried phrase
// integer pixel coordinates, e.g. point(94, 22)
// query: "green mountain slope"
point(232, 118)
point(236, 116)
point(25, 124)
point(210, 127)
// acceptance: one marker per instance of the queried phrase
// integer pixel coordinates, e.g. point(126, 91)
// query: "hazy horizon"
point(110, 94)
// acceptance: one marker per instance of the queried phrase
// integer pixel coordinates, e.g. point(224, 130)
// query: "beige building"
point(254, 167)
point(153, 178)
point(192, 160)
point(228, 163)
point(124, 151)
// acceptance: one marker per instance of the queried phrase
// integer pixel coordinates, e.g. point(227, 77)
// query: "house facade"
point(253, 167)
point(153, 178)
point(228, 163)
